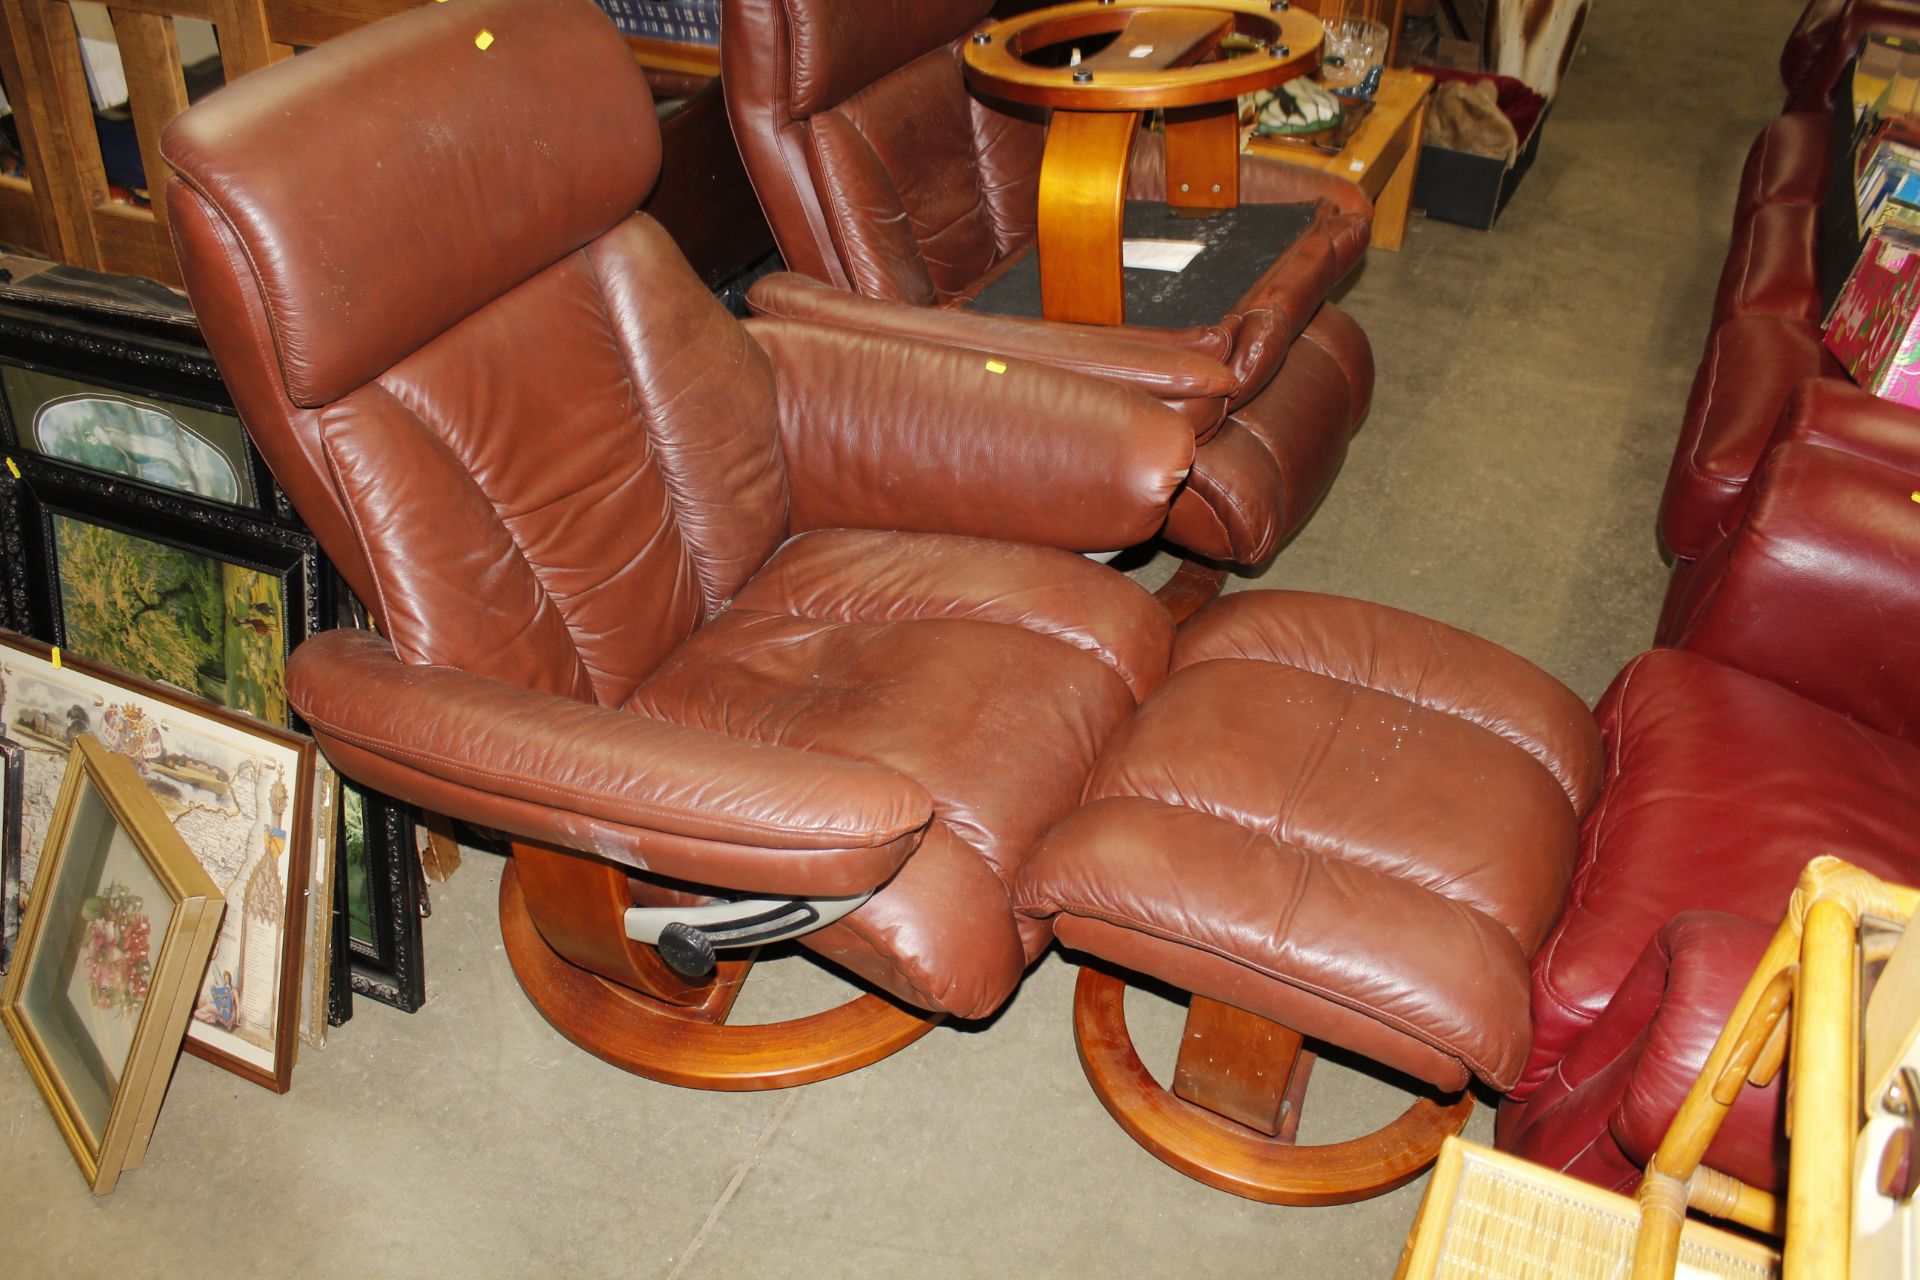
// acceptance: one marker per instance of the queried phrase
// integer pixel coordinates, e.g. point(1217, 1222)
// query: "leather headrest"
point(838, 49)
point(389, 183)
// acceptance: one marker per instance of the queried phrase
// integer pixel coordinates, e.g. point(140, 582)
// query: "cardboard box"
point(1874, 327)
point(1473, 190)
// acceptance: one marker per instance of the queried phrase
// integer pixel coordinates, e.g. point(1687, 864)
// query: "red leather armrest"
point(885, 433)
point(1605, 1107)
point(681, 802)
point(1176, 375)
point(1839, 415)
point(1818, 587)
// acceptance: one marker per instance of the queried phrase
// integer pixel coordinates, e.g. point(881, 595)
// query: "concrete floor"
point(1531, 382)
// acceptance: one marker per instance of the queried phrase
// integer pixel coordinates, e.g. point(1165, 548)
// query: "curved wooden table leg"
point(1232, 1157)
point(653, 1039)
point(1083, 188)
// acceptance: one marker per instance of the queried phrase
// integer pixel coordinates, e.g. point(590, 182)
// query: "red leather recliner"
point(696, 610)
point(886, 181)
point(1787, 725)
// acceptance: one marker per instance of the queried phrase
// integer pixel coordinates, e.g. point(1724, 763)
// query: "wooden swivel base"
point(690, 1044)
point(1235, 1064)
point(1192, 585)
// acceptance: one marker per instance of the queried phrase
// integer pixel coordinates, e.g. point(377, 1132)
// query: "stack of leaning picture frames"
point(140, 531)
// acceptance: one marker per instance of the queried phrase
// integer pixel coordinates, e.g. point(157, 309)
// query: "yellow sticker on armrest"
point(1915, 495)
point(998, 366)
point(484, 40)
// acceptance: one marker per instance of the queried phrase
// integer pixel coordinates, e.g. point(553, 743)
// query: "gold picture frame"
point(100, 991)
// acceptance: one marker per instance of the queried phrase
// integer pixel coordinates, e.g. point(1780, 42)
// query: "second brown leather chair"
point(884, 178)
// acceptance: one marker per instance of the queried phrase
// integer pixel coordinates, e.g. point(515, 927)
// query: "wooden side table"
point(1382, 156)
point(1162, 54)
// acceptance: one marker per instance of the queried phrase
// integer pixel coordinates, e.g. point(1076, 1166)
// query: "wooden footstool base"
point(1334, 823)
point(1194, 1127)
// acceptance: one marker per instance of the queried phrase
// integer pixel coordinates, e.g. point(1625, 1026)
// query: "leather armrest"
point(1685, 988)
point(1841, 416)
point(1604, 1108)
point(1818, 587)
point(1166, 373)
point(1270, 316)
point(885, 433)
point(665, 798)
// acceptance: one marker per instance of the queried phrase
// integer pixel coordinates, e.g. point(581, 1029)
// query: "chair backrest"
point(878, 171)
point(535, 446)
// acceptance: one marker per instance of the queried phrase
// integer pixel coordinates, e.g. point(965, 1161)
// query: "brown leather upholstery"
point(568, 486)
point(883, 176)
point(1354, 821)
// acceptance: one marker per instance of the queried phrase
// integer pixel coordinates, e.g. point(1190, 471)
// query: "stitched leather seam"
point(1085, 641)
point(677, 498)
point(534, 570)
point(1471, 1060)
point(1576, 889)
point(843, 227)
point(253, 268)
point(359, 532)
point(450, 770)
point(1471, 715)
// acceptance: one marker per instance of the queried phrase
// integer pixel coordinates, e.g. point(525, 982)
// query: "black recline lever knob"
point(687, 951)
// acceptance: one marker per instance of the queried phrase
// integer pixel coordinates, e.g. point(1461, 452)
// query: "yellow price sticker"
point(55, 655)
point(13, 467)
point(996, 366)
point(484, 40)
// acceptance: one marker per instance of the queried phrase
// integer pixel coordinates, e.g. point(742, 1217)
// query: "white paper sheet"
point(1159, 255)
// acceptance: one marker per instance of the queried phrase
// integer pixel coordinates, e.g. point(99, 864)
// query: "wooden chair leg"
point(652, 1022)
point(1231, 1118)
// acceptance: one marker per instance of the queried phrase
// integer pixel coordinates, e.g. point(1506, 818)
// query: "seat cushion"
point(1339, 816)
point(973, 690)
point(1752, 365)
point(1720, 786)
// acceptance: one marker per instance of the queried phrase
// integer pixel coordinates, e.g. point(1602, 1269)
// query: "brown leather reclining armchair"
point(885, 178)
point(705, 615)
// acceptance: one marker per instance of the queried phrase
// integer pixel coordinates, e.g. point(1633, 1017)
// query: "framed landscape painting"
point(107, 428)
point(238, 791)
point(161, 588)
point(122, 386)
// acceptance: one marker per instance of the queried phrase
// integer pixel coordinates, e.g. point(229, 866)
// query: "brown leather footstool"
point(1335, 821)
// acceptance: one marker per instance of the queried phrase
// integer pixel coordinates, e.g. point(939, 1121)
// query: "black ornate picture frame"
point(140, 369)
point(378, 836)
point(124, 359)
point(169, 588)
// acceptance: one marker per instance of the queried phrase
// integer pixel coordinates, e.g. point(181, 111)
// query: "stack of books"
point(676, 21)
point(1886, 138)
point(1873, 328)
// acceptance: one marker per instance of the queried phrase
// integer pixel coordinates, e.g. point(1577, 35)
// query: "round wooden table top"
point(1155, 58)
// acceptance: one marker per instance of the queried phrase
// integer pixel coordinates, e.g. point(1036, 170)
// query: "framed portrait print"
point(238, 791)
point(111, 956)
